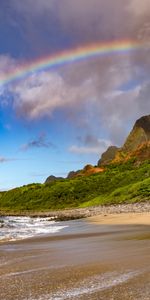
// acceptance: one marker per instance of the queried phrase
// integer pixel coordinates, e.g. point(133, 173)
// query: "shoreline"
point(110, 260)
point(79, 213)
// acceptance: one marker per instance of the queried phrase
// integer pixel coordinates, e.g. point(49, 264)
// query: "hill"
point(136, 145)
point(120, 183)
point(123, 176)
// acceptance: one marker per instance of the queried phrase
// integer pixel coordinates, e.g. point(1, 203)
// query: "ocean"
point(16, 228)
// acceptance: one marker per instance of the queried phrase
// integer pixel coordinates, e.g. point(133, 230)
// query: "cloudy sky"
point(58, 119)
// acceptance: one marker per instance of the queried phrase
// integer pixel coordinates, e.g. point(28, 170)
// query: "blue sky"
point(63, 118)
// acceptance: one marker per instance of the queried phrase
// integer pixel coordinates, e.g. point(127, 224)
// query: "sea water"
point(15, 228)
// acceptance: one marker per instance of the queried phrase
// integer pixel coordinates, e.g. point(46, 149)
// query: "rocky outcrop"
point(139, 135)
point(52, 178)
point(89, 170)
point(108, 156)
point(86, 171)
point(137, 145)
point(72, 174)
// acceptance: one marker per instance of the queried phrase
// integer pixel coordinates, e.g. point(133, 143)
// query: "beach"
point(122, 219)
point(101, 257)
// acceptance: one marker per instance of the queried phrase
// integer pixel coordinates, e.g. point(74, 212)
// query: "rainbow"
point(71, 56)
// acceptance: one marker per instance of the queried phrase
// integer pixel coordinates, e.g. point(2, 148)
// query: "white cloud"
point(139, 7)
point(90, 94)
point(39, 95)
point(95, 100)
point(101, 146)
point(42, 93)
point(7, 65)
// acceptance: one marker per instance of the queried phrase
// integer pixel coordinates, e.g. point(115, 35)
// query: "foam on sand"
point(92, 285)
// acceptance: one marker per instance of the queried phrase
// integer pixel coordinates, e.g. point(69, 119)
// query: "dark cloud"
point(90, 140)
point(50, 26)
point(83, 20)
point(5, 159)
point(40, 142)
point(55, 24)
point(89, 144)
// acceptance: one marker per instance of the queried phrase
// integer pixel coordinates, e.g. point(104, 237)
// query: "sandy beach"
point(101, 257)
point(122, 219)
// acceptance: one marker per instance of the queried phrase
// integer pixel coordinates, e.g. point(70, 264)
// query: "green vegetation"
point(120, 183)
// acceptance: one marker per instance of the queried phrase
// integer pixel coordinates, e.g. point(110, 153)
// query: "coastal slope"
point(124, 179)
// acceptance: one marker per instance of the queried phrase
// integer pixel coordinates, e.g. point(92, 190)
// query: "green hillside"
point(120, 183)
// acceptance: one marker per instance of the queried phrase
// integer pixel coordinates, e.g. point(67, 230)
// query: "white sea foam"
point(91, 285)
point(14, 228)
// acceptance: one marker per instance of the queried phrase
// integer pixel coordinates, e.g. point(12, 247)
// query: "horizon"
point(54, 117)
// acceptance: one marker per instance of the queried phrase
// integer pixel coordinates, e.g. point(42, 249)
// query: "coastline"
point(83, 261)
point(111, 212)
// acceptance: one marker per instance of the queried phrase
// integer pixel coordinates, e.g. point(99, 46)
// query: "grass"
point(120, 183)
point(131, 193)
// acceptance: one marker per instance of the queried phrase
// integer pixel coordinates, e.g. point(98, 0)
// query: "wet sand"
point(90, 259)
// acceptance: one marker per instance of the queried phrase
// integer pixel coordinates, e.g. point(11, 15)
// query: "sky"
point(57, 118)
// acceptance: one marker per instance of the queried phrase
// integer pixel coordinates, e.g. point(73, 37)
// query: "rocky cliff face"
point(139, 135)
point(136, 145)
point(108, 156)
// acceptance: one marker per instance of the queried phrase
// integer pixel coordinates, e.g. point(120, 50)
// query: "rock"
point(86, 171)
point(73, 174)
point(108, 156)
point(139, 135)
point(88, 168)
point(137, 144)
point(52, 178)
